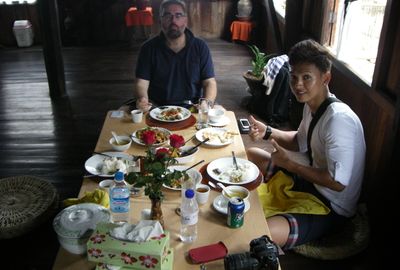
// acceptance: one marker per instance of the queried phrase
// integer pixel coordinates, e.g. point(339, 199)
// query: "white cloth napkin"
point(141, 232)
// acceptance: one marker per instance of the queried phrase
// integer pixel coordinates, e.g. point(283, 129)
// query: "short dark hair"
point(310, 51)
point(166, 3)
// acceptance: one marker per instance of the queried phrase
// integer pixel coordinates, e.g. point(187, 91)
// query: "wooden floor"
point(52, 139)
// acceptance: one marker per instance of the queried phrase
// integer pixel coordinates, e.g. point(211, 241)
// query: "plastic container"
point(23, 33)
point(75, 224)
point(189, 217)
point(119, 199)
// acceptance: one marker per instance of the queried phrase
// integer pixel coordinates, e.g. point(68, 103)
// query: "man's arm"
point(210, 89)
point(141, 94)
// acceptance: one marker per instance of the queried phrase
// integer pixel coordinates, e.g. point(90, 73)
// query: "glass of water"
point(204, 106)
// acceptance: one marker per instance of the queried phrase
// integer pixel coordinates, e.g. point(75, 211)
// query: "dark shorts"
point(304, 227)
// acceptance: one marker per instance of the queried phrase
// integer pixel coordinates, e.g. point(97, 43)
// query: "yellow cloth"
point(97, 196)
point(277, 197)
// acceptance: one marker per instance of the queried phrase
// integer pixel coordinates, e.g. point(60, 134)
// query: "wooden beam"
point(51, 40)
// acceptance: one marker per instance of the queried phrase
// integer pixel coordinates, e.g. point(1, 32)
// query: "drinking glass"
point(204, 106)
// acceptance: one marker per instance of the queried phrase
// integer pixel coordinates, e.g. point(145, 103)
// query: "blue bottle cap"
point(119, 176)
point(189, 193)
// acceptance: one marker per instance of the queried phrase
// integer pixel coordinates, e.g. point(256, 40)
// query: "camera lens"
point(240, 261)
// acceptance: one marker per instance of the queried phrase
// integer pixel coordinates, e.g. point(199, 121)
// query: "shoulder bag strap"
point(320, 111)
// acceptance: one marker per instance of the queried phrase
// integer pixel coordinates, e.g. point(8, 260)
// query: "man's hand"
point(143, 104)
point(257, 129)
point(279, 156)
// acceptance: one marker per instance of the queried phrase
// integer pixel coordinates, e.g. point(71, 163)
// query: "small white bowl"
point(188, 158)
point(106, 184)
point(216, 115)
point(121, 147)
point(238, 191)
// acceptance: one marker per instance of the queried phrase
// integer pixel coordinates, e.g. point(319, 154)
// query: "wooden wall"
point(93, 22)
point(11, 13)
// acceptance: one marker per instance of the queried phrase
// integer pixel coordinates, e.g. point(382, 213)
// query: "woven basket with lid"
point(25, 203)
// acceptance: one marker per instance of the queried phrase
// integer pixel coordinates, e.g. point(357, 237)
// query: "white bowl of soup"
point(236, 191)
point(123, 145)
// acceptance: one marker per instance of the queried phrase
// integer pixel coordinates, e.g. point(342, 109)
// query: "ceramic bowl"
point(193, 173)
point(237, 191)
point(106, 184)
point(216, 115)
point(126, 143)
point(187, 158)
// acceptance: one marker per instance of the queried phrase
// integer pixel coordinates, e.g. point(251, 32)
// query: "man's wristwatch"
point(268, 133)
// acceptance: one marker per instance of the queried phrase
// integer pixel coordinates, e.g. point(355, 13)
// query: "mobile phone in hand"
point(244, 125)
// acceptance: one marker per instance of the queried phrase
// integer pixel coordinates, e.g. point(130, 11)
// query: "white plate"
point(226, 163)
point(193, 173)
point(220, 204)
point(138, 141)
point(156, 113)
point(222, 122)
point(215, 141)
point(94, 163)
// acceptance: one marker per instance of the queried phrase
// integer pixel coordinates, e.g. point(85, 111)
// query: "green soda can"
point(235, 212)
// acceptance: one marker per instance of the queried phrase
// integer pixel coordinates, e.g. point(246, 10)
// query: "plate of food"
point(224, 171)
point(217, 136)
point(108, 163)
point(170, 113)
point(162, 135)
point(194, 175)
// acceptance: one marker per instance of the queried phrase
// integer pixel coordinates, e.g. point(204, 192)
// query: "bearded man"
point(174, 67)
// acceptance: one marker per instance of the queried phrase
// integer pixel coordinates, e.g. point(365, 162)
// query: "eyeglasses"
point(170, 16)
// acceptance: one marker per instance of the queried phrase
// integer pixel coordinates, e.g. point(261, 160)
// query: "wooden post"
point(51, 40)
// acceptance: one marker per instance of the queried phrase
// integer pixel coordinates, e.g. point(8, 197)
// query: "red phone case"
point(208, 253)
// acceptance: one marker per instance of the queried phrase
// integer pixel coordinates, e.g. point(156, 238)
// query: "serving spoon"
point(193, 149)
point(227, 191)
point(115, 137)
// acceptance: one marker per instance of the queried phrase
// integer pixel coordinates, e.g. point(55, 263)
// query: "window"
point(355, 28)
point(280, 7)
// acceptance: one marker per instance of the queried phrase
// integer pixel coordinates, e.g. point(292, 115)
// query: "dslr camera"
point(263, 255)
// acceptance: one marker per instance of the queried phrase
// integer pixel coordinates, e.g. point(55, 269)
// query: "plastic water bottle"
point(119, 199)
point(189, 217)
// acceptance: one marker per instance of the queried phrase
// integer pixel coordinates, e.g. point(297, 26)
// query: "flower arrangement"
point(155, 171)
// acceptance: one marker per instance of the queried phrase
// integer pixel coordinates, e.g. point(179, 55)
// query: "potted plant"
point(254, 77)
point(155, 173)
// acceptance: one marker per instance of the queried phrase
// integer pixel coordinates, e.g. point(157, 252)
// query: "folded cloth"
point(277, 197)
point(271, 70)
point(143, 231)
point(97, 196)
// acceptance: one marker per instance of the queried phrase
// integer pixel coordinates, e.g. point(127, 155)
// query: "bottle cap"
point(189, 193)
point(119, 176)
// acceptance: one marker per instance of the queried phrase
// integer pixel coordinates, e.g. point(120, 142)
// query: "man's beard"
point(174, 33)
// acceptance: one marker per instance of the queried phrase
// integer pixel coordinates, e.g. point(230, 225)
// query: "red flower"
point(148, 261)
point(162, 152)
point(149, 137)
point(97, 238)
point(95, 252)
point(127, 258)
point(176, 140)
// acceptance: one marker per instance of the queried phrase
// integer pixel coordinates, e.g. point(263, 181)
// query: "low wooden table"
point(212, 226)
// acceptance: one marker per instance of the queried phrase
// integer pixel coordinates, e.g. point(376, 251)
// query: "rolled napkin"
point(97, 196)
point(143, 231)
